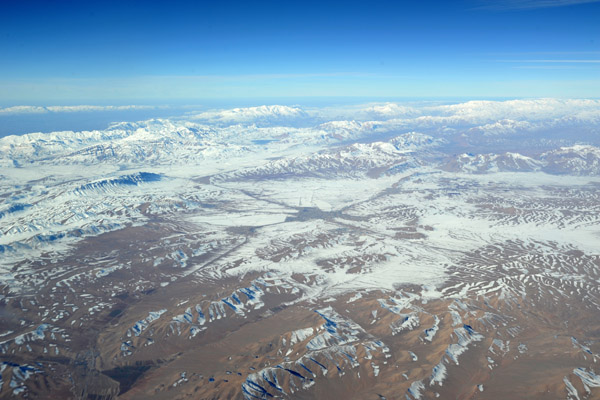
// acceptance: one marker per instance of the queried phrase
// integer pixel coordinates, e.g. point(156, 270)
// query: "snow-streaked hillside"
point(386, 249)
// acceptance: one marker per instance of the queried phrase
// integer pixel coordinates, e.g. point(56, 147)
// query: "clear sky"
point(85, 51)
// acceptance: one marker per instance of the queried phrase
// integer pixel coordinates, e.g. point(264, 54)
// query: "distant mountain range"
point(375, 251)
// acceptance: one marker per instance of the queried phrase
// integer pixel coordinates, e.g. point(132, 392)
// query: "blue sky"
point(77, 51)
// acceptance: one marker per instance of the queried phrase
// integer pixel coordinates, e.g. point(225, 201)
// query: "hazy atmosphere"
point(300, 200)
point(68, 51)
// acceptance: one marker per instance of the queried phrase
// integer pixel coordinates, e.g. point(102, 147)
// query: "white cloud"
point(23, 110)
point(553, 61)
point(500, 5)
point(530, 110)
point(86, 108)
point(68, 109)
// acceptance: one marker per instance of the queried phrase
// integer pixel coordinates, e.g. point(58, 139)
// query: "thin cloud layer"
point(529, 4)
point(15, 110)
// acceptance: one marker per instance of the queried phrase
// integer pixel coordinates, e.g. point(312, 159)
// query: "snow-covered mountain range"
point(369, 251)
